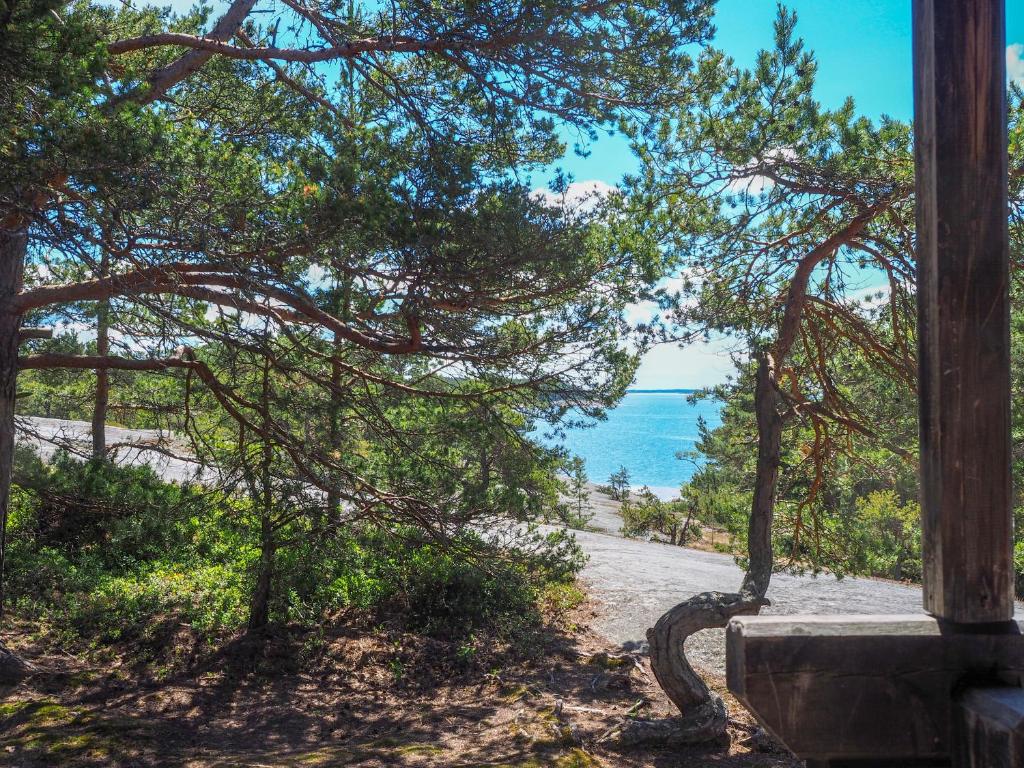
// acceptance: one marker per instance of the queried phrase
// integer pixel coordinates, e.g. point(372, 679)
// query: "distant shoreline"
point(661, 391)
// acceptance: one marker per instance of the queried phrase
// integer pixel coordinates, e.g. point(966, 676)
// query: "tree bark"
point(343, 307)
point(99, 413)
point(704, 716)
point(686, 526)
point(335, 436)
point(13, 249)
point(769, 452)
point(703, 712)
point(259, 607)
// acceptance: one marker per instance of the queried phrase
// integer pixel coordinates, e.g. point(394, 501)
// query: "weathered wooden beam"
point(963, 308)
point(989, 728)
point(870, 689)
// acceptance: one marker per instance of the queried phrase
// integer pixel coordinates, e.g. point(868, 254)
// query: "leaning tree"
point(791, 208)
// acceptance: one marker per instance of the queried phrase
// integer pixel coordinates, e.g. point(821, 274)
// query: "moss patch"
point(574, 758)
point(45, 732)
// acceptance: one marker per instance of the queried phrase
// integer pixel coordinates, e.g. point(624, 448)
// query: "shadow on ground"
point(359, 697)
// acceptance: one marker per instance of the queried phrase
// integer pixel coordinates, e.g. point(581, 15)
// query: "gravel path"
point(636, 581)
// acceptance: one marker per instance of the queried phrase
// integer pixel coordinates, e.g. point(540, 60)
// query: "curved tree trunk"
point(712, 610)
point(767, 410)
point(704, 717)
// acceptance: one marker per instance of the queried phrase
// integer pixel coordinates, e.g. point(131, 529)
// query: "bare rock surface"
point(637, 581)
point(133, 446)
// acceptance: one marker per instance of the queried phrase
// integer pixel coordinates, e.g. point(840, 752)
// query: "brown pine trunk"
point(686, 526)
point(703, 712)
point(769, 454)
point(99, 413)
point(13, 249)
point(259, 607)
point(335, 437)
point(343, 309)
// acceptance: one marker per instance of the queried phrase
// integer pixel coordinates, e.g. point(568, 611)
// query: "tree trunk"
point(686, 526)
point(704, 716)
point(769, 455)
point(13, 249)
point(99, 413)
point(335, 436)
point(343, 308)
point(259, 607)
point(703, 712)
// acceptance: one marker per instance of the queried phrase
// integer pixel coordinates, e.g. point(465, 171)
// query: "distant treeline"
point(660, 391)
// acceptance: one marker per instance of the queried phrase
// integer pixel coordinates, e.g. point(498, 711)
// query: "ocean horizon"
point(644, 433)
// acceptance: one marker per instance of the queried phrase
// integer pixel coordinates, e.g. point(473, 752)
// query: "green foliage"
point(890, 531)
point(118, 515)
point(449, 589)
point(648, 515)
point(104, 553)
point(618, 485)
point(574, 511)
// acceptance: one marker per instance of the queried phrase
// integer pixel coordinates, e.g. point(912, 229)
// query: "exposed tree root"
point(702, 725)
point(703, 712)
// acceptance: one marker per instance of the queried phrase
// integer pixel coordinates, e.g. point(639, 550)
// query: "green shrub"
point(123, 515)
point(448, 591)
point(889, 535)
point(649, 514)
point(106, 553)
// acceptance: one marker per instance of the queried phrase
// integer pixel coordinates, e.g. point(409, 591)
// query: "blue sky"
point(863, 48)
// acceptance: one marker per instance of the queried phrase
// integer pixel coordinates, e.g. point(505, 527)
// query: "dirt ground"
point(360, 696)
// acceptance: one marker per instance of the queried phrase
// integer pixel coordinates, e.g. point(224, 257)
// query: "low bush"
point(102, 554)
point(889, 536)
point(649, 514)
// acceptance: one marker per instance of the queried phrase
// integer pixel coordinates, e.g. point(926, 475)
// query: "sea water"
point(644, 434)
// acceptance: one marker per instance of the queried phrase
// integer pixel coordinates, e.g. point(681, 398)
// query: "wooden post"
point(25, 334)
point(963, 308)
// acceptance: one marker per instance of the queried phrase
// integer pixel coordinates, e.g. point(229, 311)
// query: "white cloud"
point(641, 312)
point(316, 276)
point(750, 185)
point(1015, 62)
point(743, 181)
point(645, 311)
point(871, 297)
point(579, 196)
point(669, 366)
